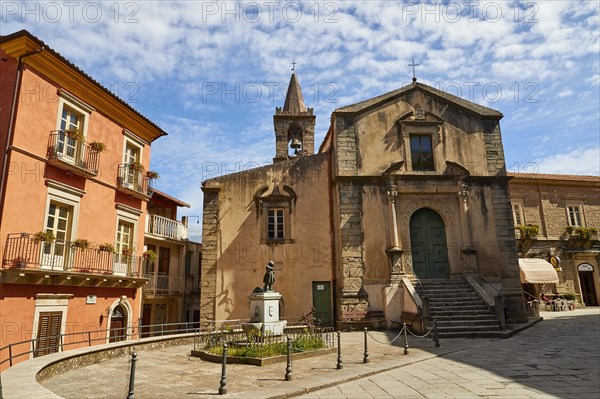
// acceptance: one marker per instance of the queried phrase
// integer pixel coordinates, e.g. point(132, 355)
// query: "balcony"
point(133, 181)
point(163, 284)
point(167, 228)
point(23, 253)
point(72, 154)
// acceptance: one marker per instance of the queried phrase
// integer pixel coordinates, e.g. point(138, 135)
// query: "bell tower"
point(294, 125)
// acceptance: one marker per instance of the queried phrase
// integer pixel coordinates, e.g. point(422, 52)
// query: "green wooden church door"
point(428, 245)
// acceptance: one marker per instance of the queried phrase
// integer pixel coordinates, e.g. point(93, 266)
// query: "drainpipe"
point(11, 125)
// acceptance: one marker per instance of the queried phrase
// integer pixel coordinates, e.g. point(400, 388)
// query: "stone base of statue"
point(264, 314)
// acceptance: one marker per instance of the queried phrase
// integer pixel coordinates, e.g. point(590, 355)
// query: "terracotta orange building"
point(74, 190)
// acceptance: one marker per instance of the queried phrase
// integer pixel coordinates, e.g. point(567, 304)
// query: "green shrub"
point(528, 232)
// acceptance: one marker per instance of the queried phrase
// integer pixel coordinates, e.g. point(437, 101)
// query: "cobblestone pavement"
point(558, 357)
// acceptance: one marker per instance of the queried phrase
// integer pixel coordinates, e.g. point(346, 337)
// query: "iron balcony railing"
point(134, 179)
point(73, 152)
point(163, 284)
point(24, 251)
point(165, 227)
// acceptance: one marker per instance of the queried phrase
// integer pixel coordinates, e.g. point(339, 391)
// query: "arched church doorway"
point(588, 287)
point(428, 245)
point(118, 324)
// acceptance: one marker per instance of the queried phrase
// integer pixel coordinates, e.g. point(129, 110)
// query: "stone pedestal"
point(264, 314)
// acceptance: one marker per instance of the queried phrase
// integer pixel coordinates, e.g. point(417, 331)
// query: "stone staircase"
point(459, 310)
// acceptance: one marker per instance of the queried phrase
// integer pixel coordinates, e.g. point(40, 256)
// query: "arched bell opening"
point(295, 144)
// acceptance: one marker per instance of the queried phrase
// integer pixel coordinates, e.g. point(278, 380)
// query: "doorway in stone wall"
point(428, 245)
point(118, 324)
point(588, 287)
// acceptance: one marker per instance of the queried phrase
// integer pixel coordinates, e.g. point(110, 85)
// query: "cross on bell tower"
point(413, 65)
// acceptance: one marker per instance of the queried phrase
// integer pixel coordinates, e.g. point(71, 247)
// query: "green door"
point(428, 245)
point(321, 291)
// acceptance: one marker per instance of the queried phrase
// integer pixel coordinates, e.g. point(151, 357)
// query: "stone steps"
point(458, 310)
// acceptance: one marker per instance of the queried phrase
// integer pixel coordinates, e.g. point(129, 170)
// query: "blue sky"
point(212, 73)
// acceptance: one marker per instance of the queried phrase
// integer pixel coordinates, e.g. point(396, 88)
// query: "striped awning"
point(535, 270)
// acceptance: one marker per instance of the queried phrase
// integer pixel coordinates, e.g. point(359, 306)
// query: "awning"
point(535, 270)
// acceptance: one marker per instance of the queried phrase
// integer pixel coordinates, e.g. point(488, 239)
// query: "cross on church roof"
point(293, 65)
point(413, 65)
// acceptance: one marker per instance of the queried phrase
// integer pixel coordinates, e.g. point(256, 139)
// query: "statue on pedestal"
point(269, 278)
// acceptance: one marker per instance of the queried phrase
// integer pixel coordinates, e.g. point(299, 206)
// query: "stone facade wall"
point(351, 251)
point(544, 201)
point(507, 252)
point(493, 148)
point(346, 156)
point(208, 271)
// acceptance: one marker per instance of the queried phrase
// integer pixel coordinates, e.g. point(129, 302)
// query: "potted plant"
point(152, 174)
point(74, 134)
point(127, 252)
point(580, 237)
point(97, 146)
point(80, 243)
point(44, 236)
point(528, 232)
point(106, 247)
point(150, 255)
point(136, 166)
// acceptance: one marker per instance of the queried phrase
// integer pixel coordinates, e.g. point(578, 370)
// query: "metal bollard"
point(339, 358)
point(288, 368)
point(366, 355)
point(405, 338)
point(223, 382)
point(436, 337)
point(132, 375)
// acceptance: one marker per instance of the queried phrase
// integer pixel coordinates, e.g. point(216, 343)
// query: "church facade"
point(407, 187)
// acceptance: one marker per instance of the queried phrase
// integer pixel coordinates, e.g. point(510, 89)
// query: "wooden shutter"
point(48, 340)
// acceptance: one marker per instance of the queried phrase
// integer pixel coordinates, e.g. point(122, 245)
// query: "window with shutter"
point(48, 338)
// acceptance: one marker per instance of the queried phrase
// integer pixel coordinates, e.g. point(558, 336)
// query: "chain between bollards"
point(405, 338)
point(223, 382)
point(339, 358)
point(436, 337)
point(131, 394)
point(288, 368)
point(366, 355)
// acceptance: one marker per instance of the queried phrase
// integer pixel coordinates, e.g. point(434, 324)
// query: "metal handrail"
point(104, 335)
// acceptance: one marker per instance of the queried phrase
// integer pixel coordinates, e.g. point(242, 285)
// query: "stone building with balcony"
point(171, 265)
point(74, 192)
point(556, 220)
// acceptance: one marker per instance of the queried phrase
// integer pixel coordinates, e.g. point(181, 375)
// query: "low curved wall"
point(22, 380)
point(256, 361)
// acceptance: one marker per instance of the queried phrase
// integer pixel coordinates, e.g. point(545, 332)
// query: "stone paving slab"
point(559, 358)
point(556, 358)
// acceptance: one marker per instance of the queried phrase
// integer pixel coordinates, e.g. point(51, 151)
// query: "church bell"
point(296, 144)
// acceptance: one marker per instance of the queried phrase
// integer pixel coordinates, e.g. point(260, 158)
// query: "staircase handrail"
point(476, 272)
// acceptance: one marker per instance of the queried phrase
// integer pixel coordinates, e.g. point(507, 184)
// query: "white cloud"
point(575, 162)
point(361, 48)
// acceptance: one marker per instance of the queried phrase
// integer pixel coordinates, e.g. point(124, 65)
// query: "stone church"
point(408, 189)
